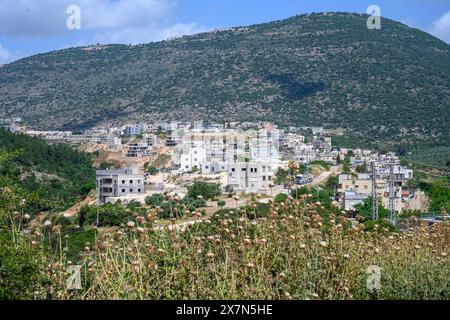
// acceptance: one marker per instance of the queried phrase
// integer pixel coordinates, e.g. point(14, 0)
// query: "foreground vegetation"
point(296, 249)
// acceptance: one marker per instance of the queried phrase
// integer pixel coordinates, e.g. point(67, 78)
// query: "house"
point(118, 182)
point(139, 149)
point(192, 155)
point(361, 183)
point(251, 176)
point(150, 139)
point(133, 129)
point(351, 198)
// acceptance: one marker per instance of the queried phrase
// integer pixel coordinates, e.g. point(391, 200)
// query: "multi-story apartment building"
point(361, 183)
point(118, 182)
point(139, 149)
point(354, 189)
point(192, 155)
point(150, 139)
point(251, 176)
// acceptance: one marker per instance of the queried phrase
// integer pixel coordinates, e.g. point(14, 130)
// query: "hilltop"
point(382, 86)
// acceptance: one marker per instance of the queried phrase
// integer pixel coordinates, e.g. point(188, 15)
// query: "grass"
point(293, 253)
point(434, 157)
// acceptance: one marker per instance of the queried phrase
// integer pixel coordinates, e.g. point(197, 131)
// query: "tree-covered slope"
point(323, 69)
point(48, 177)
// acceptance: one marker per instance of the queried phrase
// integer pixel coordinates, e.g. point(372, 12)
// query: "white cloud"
point(137, 35)
point(441, 27)
point(124, 21)
point(5, 55)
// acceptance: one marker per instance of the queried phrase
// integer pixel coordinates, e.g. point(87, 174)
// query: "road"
point(324, 176)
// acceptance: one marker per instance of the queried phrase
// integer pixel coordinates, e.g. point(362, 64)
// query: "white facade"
point(251, 176)
point(118, 183)
point(192, 155)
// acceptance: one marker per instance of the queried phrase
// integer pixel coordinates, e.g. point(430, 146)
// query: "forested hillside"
point(47, 177)
point(382, 86)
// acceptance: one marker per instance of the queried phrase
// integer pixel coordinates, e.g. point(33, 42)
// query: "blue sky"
point(28, 27)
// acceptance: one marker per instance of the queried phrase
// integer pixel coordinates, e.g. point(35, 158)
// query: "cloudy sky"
point(28, 27)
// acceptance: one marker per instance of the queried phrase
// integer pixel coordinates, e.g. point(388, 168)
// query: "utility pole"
point(393, 216)
point(374, 192)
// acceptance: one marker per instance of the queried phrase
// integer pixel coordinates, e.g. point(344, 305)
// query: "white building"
point(251, 177)
point(118, 183)
point(193, 154)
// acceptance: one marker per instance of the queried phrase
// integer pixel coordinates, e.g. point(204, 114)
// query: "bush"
point(108, 215)
point(321, 163)
point(229, 190)
point(204, 189)
point(151, 170)
point(155, 200)
point(281, 197)
point(20, 272)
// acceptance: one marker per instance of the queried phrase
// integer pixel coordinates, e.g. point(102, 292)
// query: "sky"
point(29, 27)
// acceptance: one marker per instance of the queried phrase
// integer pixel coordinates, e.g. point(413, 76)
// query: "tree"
point(365, 209)
point(332, 182)
point(281, 197)
point(221, 204)
point(412, 184)
point(402, 148)
point(204, 189)
point(281, 176)
point(361, 168)
point(155, 200)
point(151, 170)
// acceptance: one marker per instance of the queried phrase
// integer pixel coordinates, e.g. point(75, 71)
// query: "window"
point(244, 169)
point(131, 181)
point(131, 190)
point(139, 190)
point(123, 181)
point(270, 178)
point(233, 169)
point(123, 190)
point(264, 178)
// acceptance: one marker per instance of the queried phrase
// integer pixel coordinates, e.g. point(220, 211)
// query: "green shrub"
point(204, 189)
point(281, 197)
point(20, 272)
point(155, 200)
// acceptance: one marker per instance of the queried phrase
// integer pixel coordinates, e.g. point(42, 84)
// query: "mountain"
point(325, 69)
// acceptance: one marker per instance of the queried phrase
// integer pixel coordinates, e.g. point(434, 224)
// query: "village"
point(137, 161)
